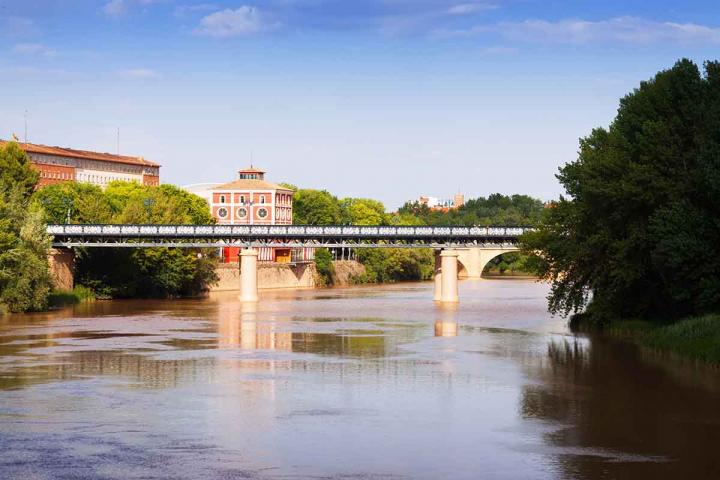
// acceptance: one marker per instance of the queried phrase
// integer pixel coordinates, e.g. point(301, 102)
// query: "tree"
point(15, 170)
point(363, 211)
point(639, 228)
point(80, 202)
point(315, 207)
point(324, 266)
point(24, 246)
point(146, 272)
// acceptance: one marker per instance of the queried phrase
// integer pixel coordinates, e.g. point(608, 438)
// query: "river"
point(351, 383)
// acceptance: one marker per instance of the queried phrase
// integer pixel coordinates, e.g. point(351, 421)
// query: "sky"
point(384, 99)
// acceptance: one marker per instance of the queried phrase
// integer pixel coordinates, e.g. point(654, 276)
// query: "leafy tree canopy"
point(15, 170)
point(641, 223)
point(316, 207)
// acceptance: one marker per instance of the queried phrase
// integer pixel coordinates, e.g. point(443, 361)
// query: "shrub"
point(324, 266)
point(62, 298)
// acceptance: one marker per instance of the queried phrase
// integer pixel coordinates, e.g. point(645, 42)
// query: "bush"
point(62, 298)
point(397, 265)
point(324, 266)
point(84, 293)
point(28, 287)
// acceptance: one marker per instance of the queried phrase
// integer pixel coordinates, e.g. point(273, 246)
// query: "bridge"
point(459, 251)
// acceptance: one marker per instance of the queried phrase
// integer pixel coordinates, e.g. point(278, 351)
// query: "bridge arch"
point(462, 270)
point(474, 260)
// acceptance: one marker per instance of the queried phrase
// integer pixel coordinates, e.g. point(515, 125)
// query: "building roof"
point(83, 154)
point(251, 170)
point(250, 184)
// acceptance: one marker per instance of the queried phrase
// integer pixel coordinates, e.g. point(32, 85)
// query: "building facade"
point(251, 200)
point(58, 165)
point(443, 204)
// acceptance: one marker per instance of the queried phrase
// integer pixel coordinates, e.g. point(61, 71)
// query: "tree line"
point(637, 234)
point(133, 272)
point(25, 280)
point(320, 207)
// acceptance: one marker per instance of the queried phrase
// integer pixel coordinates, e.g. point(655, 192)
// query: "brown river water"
point(348, 383)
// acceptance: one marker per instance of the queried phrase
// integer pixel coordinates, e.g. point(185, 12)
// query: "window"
point(241, 212)
point(262, 212)
point(262, 198)
point(222, 198)
point(222, 212)
point(242, 198)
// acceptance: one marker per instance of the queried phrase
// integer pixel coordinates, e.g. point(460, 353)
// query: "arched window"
point(262, 198)
point(222, 198)
point(242, 198)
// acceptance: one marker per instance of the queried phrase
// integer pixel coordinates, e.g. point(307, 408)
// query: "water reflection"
point(620, 417)
point(324, 384)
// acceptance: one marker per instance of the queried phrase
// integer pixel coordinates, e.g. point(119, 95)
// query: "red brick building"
point(251, 200)
point(57, 165)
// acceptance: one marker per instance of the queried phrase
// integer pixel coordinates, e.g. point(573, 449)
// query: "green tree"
point(85, 203)
point(24, 246)
point(315, 207)
point(363, 211)
point(15, 170)
point(324, 266)
point(639, 228)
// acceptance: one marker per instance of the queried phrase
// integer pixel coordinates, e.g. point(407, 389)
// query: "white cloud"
point(139, 73)
point(232, 23)
point(620, 29)
point(34, 49)
point(185, 10)
point(469, 8)
point(115, 8)
point(399, 25)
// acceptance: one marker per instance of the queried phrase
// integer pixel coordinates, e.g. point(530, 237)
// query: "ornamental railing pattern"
point(296, 231)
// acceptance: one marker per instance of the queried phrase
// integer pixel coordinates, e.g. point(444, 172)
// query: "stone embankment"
point(344, 270)
point(284, 275)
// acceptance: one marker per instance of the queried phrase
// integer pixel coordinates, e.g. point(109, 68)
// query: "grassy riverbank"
point(695, 339)
point(63, 298)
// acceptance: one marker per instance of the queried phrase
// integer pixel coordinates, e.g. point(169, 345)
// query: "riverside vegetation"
point(319, 207)
point(634, 243)
point(162, 272)
point(133, 272)
point(25, 281)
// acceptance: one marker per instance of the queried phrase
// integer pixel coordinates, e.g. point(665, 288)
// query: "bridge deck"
point(192, 236)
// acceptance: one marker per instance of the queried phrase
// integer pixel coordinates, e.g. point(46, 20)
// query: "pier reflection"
point(447, 325)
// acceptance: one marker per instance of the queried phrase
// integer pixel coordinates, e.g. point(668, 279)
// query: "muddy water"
point(367, 382)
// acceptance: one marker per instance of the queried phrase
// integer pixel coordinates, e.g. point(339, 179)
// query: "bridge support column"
point(437, 296)
point(62, 268)
point(248, 276)
point(449, 293)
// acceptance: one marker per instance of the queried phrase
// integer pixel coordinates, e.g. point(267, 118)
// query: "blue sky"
point(387, 99)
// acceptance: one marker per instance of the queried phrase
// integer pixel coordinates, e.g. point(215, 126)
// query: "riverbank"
point(695, 339)
point(273, 275)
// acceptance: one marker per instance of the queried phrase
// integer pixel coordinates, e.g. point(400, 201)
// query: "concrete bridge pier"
point(449, 276)
point(437, 295)
point(62, 268)
point(248, 276)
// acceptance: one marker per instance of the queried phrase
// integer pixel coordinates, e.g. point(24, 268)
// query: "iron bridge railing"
point(280, 235)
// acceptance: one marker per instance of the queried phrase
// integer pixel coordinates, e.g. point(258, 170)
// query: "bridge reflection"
point(153, 350)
